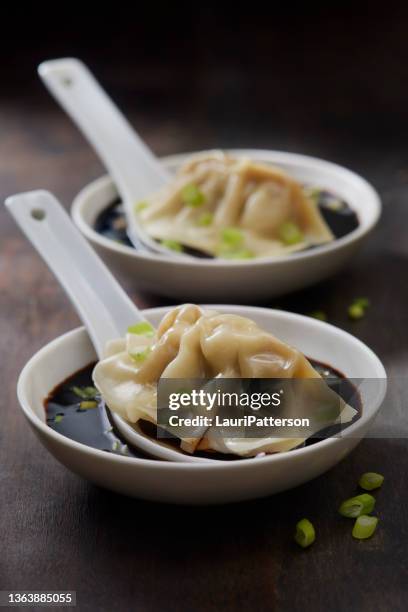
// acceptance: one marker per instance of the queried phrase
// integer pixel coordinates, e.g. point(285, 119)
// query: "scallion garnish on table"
point(305, 533)
point(358, 505)
point(358, 308)
point(364, 527)
point(370, 481)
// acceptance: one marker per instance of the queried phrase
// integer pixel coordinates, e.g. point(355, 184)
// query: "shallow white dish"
point(212, 482)
point(245, 281)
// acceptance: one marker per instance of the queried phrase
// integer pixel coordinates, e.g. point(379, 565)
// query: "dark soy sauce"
point(93, 427)
point(338, 215)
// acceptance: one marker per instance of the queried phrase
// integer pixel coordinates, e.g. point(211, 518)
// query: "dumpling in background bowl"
point(234, 208)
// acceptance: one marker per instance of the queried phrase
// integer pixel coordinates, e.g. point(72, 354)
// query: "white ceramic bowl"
point(245, 281)
point(213, 482)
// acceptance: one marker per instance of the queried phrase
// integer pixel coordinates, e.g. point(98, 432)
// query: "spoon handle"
point(135, 170)
point(101, 303)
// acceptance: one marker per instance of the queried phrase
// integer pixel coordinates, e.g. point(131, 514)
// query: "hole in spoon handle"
point(101, 303)
point(38, 214)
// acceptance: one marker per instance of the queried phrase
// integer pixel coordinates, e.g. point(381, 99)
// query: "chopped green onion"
point(371, 480)
point(305, 533)
point(108, 430)
point(240, 254)
point(232, 237)
point(140, 356)
point(290, 233)
point(313, 193)
point(85, 392)
point(364, 527)
point(115, 446)
point(318, 314)
point(142, 329)
point(192, 196)
point(358, 308)
point(205, 219)
point(358, 505)
point(335, 204)
point(58, 418)
point(355, 312)
point(139, 206)
point(173, 245)
point(86, 404)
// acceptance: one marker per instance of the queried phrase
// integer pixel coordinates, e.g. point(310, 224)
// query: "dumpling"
point(192, 343)
point(234, 208)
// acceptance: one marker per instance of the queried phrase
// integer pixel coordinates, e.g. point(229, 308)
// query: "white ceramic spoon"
point(136, 171)
point(100, 301)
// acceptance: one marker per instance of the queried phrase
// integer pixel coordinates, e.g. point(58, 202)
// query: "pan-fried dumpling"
point(234, 208)
point(199, 344)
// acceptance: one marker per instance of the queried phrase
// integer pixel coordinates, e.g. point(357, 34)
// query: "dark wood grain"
point(313, 84)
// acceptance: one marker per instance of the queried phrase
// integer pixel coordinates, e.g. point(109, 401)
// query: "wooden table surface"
point(58, 532)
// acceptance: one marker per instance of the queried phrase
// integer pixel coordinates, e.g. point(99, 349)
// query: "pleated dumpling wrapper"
point(191, 343)
point(235, 209)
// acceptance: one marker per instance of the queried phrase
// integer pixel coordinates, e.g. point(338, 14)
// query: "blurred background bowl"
point(242, 281)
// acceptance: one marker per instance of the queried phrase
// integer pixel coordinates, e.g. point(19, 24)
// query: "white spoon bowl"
point(215, 481)
point(245, 281)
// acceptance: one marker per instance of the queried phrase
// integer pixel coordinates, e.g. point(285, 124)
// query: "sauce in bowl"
point(339, 216)
point(87, 420)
